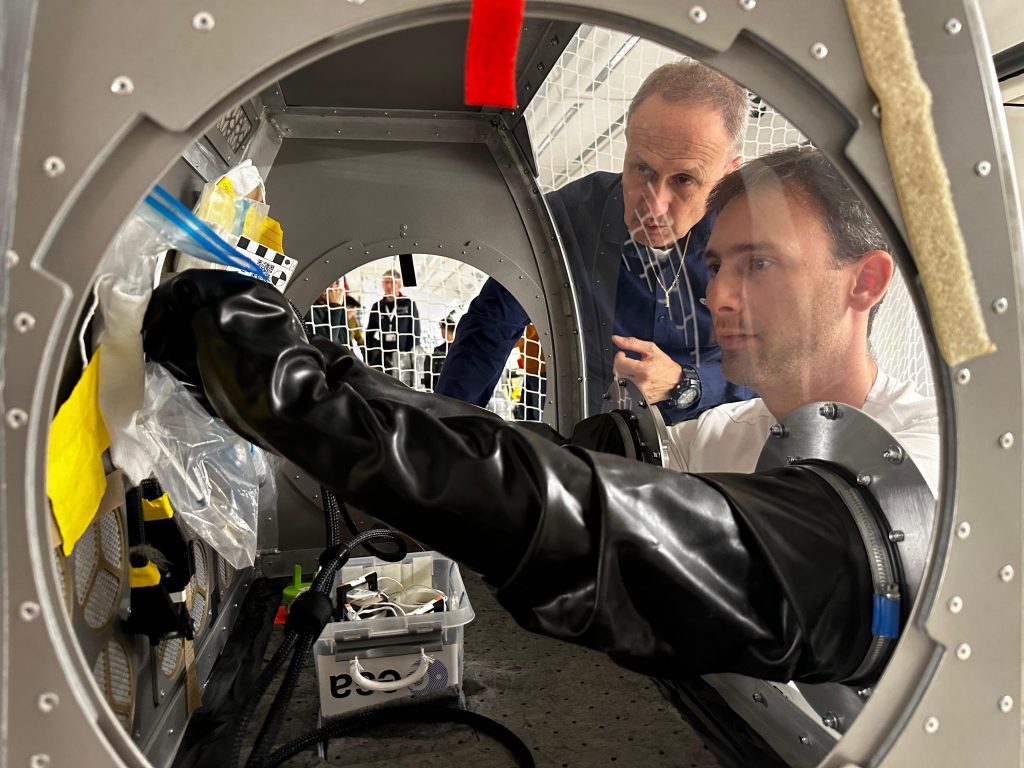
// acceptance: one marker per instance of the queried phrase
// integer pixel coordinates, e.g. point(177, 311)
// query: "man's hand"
point(655, 373)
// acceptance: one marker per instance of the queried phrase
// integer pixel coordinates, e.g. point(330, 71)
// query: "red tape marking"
point(494, 28)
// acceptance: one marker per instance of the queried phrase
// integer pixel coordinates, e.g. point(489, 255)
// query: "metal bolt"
point(16, 418)
point(1006, 573)
point(819, 51)
point(1000, 305)
point(698, 15)
point(48, 702)
point(39, 760)
point(983, 168)
point(163, 693)
point(1006, 704)
point(24, 322)
point(29, 610)
point(830, 411)
point(956, 604)
point(830, 720)
point(864, 480)
point(953, 26)
point(963, 376)
point(53, 166)
point(893, 454)
point(122, 86)
point(864, 693)
point(805, 741)
point(642, 403)
point(963, 530)
point(1006, 440)
point(12, 258)
point(876, 109)
point(204, 22)
point(792, 459)
point(896, 536)
point(758, 697)
point(748, 5)
point(777, 430)
point(931, 725)
point(963, 651)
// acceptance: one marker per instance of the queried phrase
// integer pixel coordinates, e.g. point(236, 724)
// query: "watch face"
point(688, 397)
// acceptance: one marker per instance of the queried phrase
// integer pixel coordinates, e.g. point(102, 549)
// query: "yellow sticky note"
point(75, 480)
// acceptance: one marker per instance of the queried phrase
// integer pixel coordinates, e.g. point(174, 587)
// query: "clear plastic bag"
point(211, 475)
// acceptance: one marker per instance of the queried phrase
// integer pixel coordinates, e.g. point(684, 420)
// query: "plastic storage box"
point(408, 655)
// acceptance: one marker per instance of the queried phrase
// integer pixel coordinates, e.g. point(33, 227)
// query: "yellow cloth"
point(158, 509)
point(146, 576)
point(75, 481)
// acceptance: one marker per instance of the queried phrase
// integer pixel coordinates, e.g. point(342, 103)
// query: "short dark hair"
point(807, 173)
point(696, 83)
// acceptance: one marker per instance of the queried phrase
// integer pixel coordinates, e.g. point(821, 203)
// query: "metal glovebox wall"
point(88, 154)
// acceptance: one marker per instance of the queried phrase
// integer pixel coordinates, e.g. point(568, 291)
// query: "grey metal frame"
point(89, 154)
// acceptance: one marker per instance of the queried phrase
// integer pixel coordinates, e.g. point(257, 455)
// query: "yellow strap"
point(146, 576)
point(157, 509)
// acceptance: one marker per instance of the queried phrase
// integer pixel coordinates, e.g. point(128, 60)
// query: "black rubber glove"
point(671, 574)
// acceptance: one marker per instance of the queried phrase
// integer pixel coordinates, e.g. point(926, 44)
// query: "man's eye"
point(682, 181)
point(756, 265)
point(713, 269)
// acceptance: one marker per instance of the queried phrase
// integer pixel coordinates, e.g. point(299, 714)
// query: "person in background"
point(393, 331)
point(535, 383)
point(437, 357)
point(634, 243)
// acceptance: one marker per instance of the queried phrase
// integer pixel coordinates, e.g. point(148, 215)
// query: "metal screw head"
point(12, 258)
point(983, 168)
point(642, 403)
point(955, 604)
point(48, 702)
point(931, 725)
point(830, 411)
point(16, 418)
point(864, 693)
point(805, 741)
point(28, 610)
point(896, 536)
point(1006, 704)
point(830, 720)
point(953, 26)
point(698, 15)
point(39, 760)
point(758, 697)
point(819, 51)
point(53, 166)
point(864, 480)
point(1000, 305)
point(777, 430)
point(1006, 440)
point(24, 322)
point(792, 459)
point(1006, 573)
point(122, 86)
point(963, 530)
point(963, 376)
point(876, 109)
point(748, 5)
point(894, 454)
point(203, 21)
point(963, 651)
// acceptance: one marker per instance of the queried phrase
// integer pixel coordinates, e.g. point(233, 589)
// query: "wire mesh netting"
point(577, 123)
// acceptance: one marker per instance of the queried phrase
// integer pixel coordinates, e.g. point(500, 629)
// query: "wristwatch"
point(687, 392)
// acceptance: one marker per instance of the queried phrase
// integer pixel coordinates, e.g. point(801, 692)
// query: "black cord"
point(417, 713)
point(346, 514)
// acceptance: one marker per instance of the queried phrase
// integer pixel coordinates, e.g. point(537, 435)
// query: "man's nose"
point(723, 293)
point(658, 198)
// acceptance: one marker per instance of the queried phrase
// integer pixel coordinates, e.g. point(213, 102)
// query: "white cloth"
point(729, 438)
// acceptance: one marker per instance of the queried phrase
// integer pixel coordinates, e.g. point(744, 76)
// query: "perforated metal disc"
point(114, 676)
point(199, 589)
point(99, 558)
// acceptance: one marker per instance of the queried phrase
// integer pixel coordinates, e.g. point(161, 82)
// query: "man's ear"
point(732, 165)
point(873, 274)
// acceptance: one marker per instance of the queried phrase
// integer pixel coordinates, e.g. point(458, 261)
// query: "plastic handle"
point(389, 685)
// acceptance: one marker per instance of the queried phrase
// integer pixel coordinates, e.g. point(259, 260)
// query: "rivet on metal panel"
point(777, 430)
point(830, 720)
point(579, 378)
point(805, 741)
point(876, 109)
point(1000, 305)
point(29, 610)
point(953, 26)
point(698, 15)
point(170, 731)
point(1006, 440)
point(792, 459)
point(163, 693)
point(931, 725)
point(956, 604)
point(963, 376)
point(16, 418)
point(863, 479)
point(204, 22)
point(893, 454)
point(53, 166)
point(896, 536)
point(122, 86)
point(48, 702)
point(864, 693)
point(983, 168)
point(12, 258)
point(1006, 573)
point(39, 760)
point(1006, 704)
point(819, 51)
point(963, 651)
point(24, 322)
point(758, 697)
point(748, 5)
point(963, 530)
